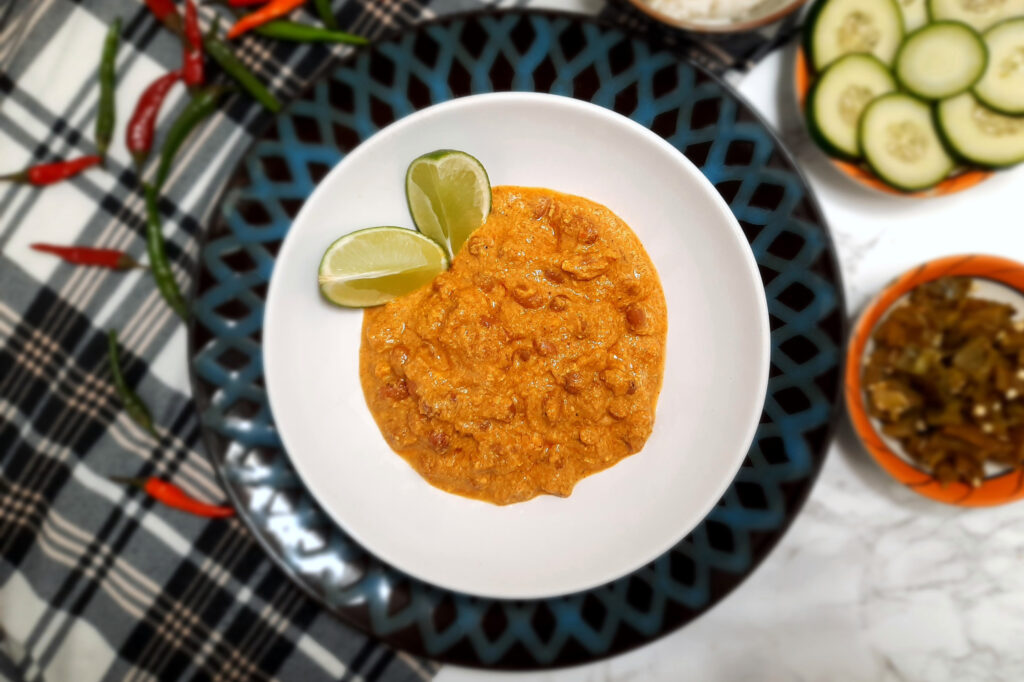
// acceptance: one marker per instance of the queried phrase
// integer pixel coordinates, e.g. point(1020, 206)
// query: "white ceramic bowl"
point(716, 368)
point(763, 13)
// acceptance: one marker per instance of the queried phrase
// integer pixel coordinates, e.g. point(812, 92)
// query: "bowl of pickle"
point(935, 380)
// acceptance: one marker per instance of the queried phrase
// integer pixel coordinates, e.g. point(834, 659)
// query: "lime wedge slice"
point(372, 266)
point(449, 196)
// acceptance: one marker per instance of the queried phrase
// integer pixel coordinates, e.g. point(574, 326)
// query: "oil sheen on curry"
point(533, 362)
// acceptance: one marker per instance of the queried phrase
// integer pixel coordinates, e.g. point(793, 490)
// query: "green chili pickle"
point(945, 377)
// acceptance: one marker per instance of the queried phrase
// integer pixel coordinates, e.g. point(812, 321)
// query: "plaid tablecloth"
point(97, 581)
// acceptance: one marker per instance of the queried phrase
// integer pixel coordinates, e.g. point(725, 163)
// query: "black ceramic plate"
point(565, 55)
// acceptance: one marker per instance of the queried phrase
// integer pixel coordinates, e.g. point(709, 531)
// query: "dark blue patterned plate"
point(565, 55)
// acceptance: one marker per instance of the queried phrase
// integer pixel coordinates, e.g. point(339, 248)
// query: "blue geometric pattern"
point(698, 115)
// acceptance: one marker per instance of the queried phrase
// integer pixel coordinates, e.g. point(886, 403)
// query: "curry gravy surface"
point(535, 361)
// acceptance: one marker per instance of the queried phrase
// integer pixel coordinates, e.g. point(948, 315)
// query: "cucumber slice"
point(979, 134)
point(979, 14)
point(900, 143)
point(839, 27)
point(840, 96)
point(915, 14)
point(1002, 86)
point(941, 60)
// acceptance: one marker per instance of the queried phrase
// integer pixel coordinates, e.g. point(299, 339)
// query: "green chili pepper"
point(203, 103)
point(304, 33)
point(158, 264)
point(105, 113)
point(323, 8)
point(133, 404)
point(223, 55)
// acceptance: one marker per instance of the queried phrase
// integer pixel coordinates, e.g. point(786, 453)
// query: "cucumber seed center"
point(1013, 64)
point(852, 103)
point(906, 141)
point(858, 33)
point(996, 125)
point(981, 6)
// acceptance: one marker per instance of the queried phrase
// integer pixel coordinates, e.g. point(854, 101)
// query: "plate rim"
point(656, 43)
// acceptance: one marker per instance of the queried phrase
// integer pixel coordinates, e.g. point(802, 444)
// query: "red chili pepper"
point(49, 173)
point(246, 3)
point(274, 9)
point(192, 59)
point(161, 8)
point(84, 255)
point(141, 126)
point(166, 12)
point(192, 68)
point(175, 497)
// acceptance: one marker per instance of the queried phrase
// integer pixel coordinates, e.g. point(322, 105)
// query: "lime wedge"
point(449, 196)
point(372, 266)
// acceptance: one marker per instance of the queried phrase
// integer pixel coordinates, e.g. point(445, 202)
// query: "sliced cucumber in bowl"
point(1002, 85)
point(901, 145)
point(839, 27)
point(978, 134)
point(914, 91)
point(940, 60)
point(979, 14)
point(839, 97)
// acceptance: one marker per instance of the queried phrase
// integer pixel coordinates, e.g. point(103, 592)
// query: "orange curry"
point(535, 361)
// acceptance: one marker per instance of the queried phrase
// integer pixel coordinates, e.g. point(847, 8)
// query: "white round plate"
point(716, 368)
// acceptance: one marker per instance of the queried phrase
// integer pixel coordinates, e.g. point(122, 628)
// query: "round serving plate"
point(692, 111)
point(614, 522)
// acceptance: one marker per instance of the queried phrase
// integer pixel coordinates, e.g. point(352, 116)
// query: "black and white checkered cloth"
point(97, 582)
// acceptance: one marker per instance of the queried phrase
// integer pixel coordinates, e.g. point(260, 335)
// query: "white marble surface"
point(872, 583)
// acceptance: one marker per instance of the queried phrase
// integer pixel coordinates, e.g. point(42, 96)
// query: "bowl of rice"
point(717, 16)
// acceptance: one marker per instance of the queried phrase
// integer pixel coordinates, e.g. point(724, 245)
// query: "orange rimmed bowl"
point(965, 179)
point(994, 490)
